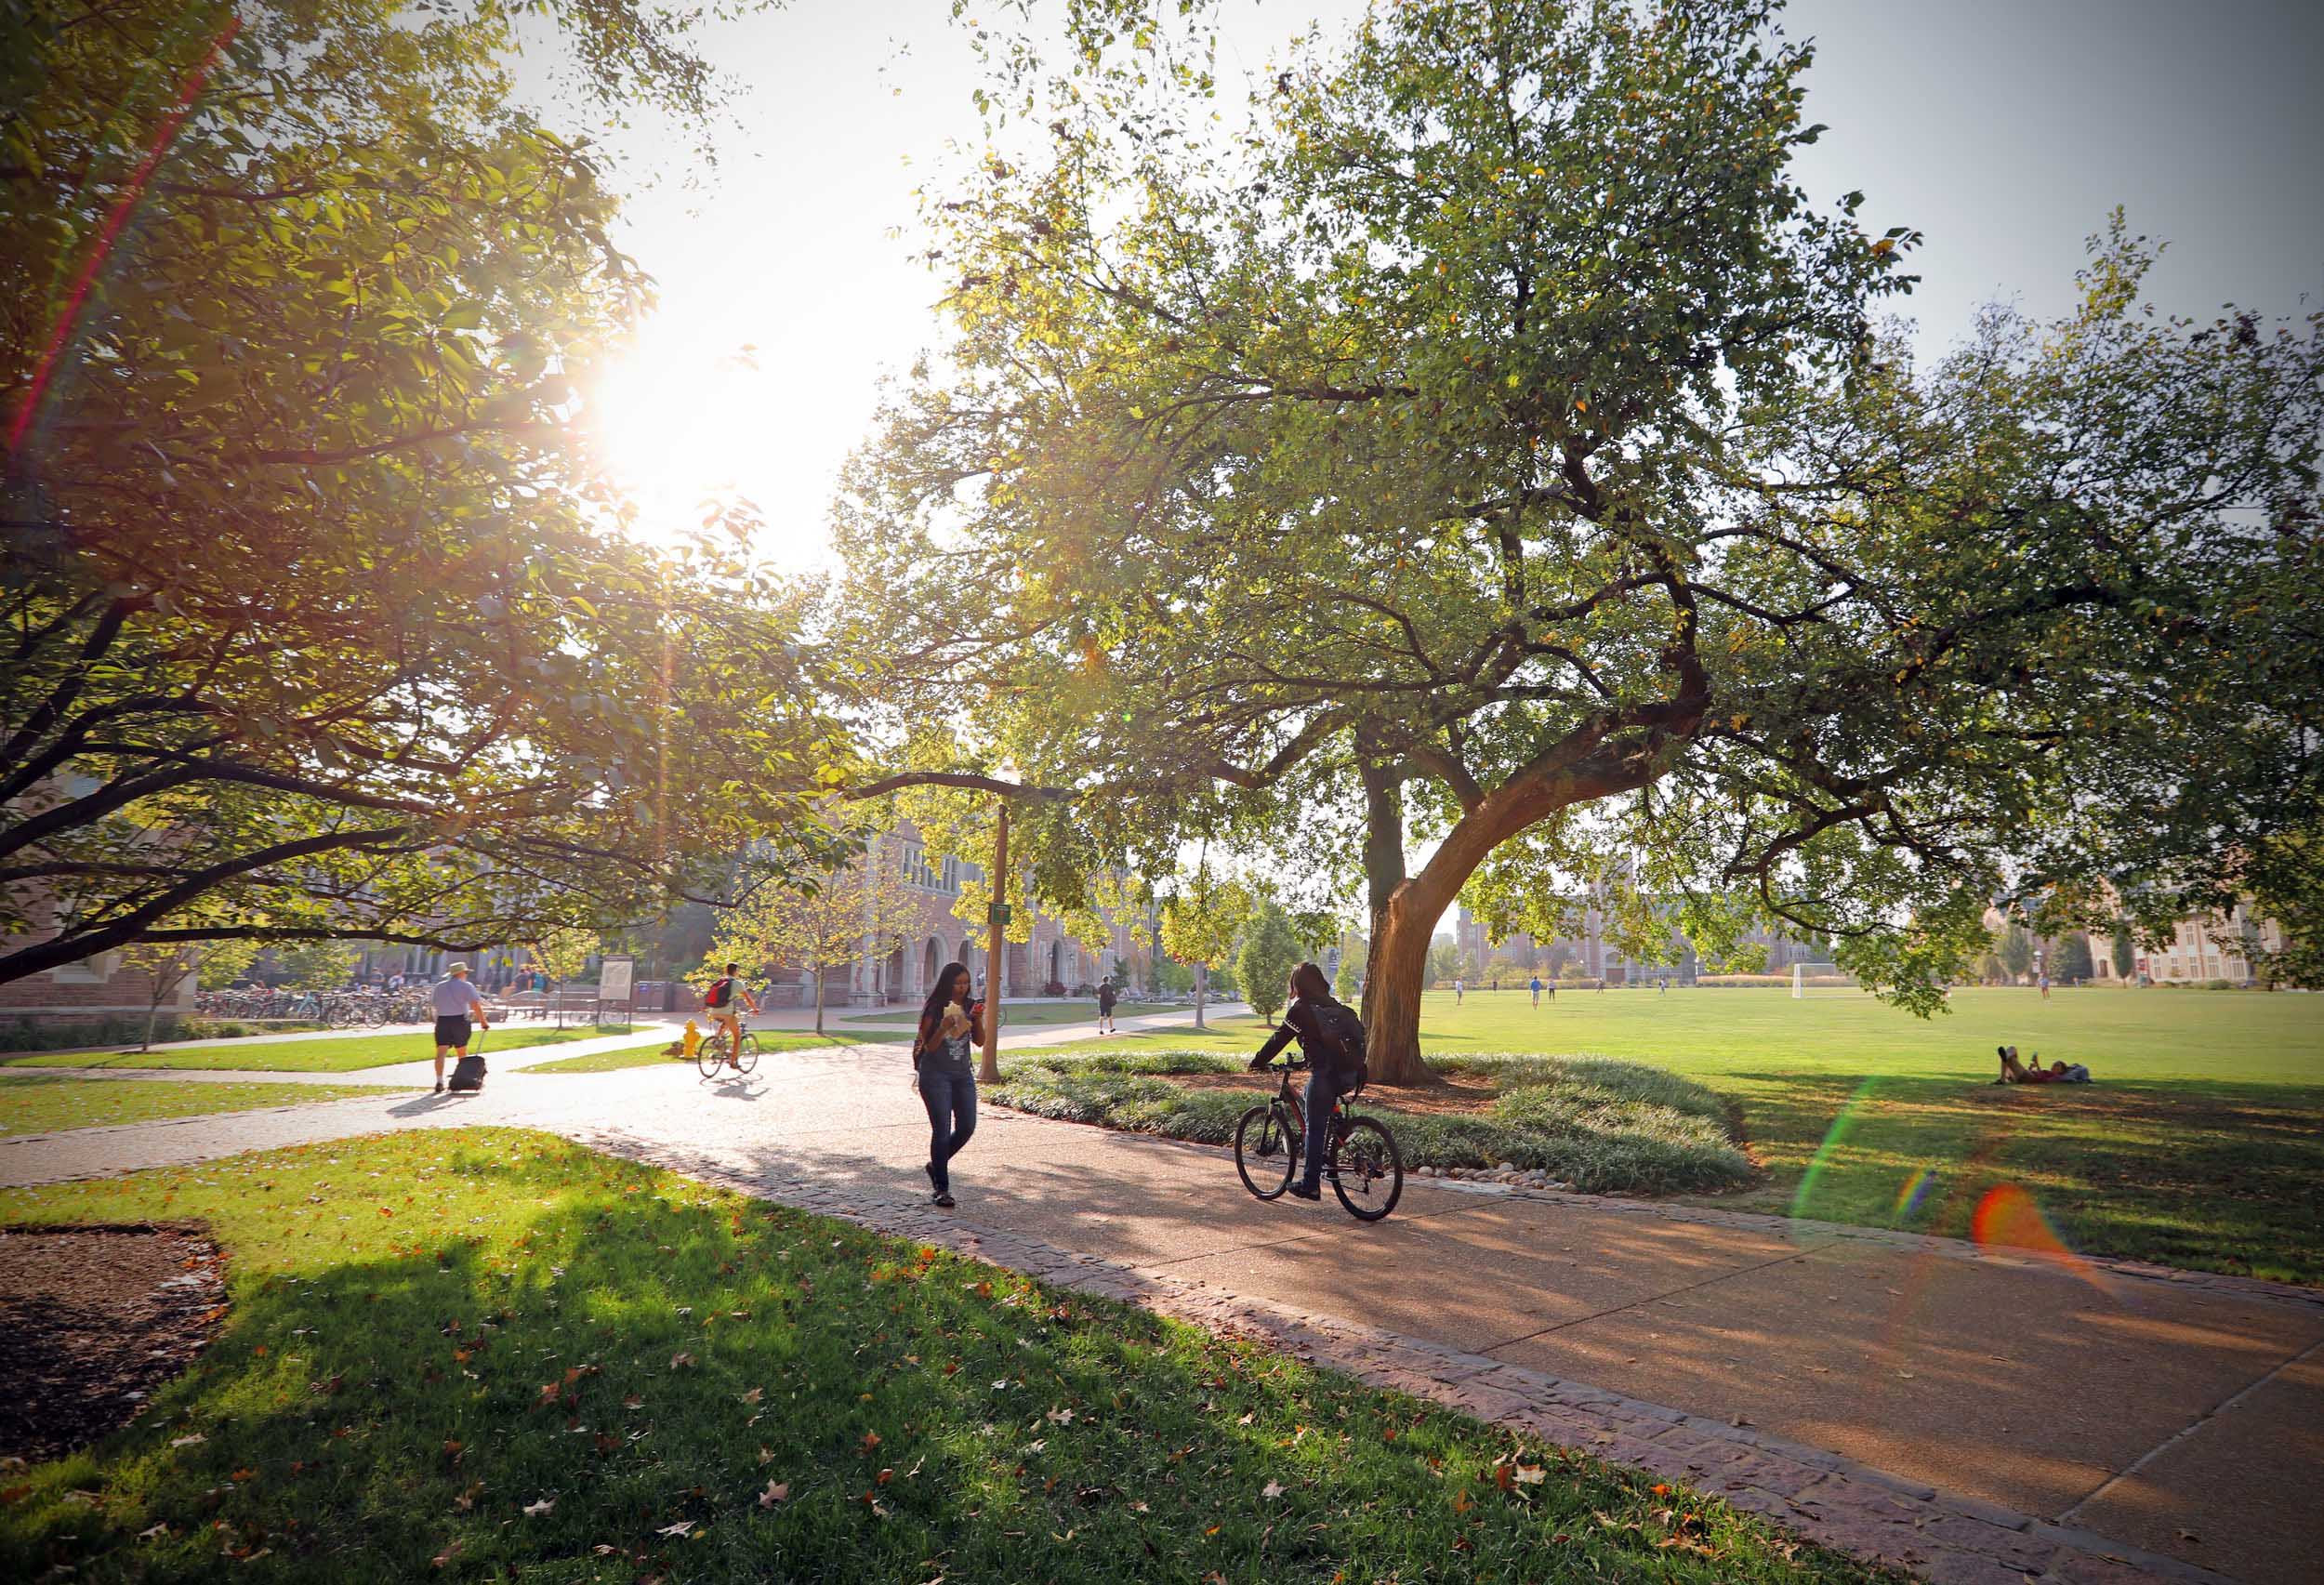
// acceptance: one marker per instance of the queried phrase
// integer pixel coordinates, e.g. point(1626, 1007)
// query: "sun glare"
point(682, 429)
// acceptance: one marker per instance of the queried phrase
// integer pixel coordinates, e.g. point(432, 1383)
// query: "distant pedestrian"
point(456, 1004)
point(1457, 988)
point(1105, 1005)
point(951, 1024)
point(1537, 990)
point(2043, 981)
point(1662, 987)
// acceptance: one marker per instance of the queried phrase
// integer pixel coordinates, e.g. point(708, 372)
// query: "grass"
point(337, 1054)
point(493, 1355)
point(1602, 1127)
point(653, 1054)
point(47, 1105)
point(1032, 1014)
point(2199, 1145)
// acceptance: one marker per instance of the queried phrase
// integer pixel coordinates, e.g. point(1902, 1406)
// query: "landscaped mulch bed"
point(93, 1321)
point(1453, 1094)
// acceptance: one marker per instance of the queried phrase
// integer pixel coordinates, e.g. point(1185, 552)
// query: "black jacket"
point(1317, 1044)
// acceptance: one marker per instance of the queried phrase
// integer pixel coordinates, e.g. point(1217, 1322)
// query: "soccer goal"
point(1822, 980)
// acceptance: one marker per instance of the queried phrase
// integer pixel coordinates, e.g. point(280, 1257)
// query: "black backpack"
point(1340, 1023)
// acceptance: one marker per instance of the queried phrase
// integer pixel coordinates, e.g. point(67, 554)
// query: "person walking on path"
point(1106, 996)
point(456, 1004)
point(1332, 1070)
point(951, 1026)
point(1537, 990)
point(1457, 989)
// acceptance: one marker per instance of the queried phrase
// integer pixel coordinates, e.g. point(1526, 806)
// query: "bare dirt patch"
point(93, 1321)
point(1458, 1092)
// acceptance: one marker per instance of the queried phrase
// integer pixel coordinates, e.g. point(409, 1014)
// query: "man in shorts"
point(455, 1002)
point(724, 1001)
point(1106, 997)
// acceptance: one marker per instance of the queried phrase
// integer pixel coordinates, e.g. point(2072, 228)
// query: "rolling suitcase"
point(468, 1074)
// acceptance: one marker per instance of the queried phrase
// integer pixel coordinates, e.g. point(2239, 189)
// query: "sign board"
point(613, 978)
point(996, 914)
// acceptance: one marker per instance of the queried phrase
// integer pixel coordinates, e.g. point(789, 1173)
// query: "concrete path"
point(1975, 1417)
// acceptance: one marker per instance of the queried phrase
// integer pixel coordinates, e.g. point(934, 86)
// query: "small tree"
point(561, 955)
point(1199, 925)
point(1748, 958)
point(2125, 951)
point(2017, 951)
point(1270, 952)
point(1349, 982)
point(861, 904)
point(313, 965)
point(2073, 965)
point(223, 962)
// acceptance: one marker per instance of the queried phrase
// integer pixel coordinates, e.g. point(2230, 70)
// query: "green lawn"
point(44, 1105)
point(337, 1054)
point(2201, 1145)
point(654, 1053)
point(1031, 1015)
point(492, 1356)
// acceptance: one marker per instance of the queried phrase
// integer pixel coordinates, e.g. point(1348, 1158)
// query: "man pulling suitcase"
point(457, 1003)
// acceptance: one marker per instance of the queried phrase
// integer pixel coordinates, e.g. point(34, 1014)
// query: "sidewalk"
point(1973, 1416)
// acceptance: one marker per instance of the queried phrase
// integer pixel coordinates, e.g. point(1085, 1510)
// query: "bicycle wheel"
point(1366, 1169)
point(1266, 1150)
point(749, 1054)
point(711, 1055)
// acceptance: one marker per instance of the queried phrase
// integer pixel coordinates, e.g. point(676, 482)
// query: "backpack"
point(1340, 1023)
point(721, 992)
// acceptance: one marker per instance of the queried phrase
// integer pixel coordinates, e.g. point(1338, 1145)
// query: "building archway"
point(1056, 962)
point(935, 960)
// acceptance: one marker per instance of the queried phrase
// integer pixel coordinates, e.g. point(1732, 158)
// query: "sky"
point(2004, 130)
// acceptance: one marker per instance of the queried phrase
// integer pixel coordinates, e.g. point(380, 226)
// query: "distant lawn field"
point(655, 1052)
point(1030, 1015)
point(49, 1104)
point(2200, 1146)
point(330, 1054)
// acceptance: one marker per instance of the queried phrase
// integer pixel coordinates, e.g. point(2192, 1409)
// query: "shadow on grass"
point(613, 1371)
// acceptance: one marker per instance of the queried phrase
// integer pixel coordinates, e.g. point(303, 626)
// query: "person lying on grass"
point(2014, 1072)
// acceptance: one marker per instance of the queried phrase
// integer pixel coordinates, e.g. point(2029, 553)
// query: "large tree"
point(1492, 451)
point(318, 618)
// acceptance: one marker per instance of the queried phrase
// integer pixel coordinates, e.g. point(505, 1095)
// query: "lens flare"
point(1835, 1140)
point(2007, 1218)
point(1915, 1190)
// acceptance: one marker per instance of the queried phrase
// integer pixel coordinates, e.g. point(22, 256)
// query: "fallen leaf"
point(633, 1402)
point(679, 1529)
point(679, 1361)
point(765, 1457)
point(443, 1559)
point(534, 1510)
point(188, 1441)
point(162, 1529)
point(871, 1440)
point(1530, 1474)
point(1271, 1490)
point(754, 1394)
point(1061, 1416)
point(777, 1491)
point(1461, 1500)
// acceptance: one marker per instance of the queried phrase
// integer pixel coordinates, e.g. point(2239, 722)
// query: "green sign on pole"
point(996, 914)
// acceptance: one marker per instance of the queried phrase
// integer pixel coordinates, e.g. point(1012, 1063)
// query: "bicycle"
point(1364, 1163)
point(711, 1054)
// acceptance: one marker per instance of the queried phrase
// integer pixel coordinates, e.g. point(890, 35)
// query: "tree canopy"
point(319, 618)
point(1489, 450)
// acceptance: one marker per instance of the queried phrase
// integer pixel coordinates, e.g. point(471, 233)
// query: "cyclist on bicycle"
point(719, 1002)
point(1332, 1069)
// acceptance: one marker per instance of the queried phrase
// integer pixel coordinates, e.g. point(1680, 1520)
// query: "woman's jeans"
point(1324, 1090)
point(949, 1093)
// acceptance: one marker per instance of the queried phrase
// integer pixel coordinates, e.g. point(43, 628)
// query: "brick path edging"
point(1833, 1500)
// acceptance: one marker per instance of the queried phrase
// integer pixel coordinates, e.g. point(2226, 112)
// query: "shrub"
point(1602, 1126)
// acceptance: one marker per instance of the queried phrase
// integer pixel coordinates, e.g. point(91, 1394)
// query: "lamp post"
point(996, 954)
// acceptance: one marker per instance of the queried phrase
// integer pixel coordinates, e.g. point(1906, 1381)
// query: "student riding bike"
point(720, 1002)
point(1316, 1021)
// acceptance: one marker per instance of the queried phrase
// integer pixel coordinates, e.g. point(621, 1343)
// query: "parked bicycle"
point(712, 1053)
point(1364, 1165)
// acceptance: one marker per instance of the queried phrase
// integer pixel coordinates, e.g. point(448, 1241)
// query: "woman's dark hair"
point(939, 993)
point(1308, 980)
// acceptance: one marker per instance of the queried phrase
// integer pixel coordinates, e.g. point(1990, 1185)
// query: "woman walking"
point(951, 1024)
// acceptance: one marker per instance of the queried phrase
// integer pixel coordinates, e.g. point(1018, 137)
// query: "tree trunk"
point(818, 1001)
point(1202, 984)
point(1404, 922)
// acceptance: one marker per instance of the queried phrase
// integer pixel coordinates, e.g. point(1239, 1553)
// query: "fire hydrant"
point(692, 1039)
